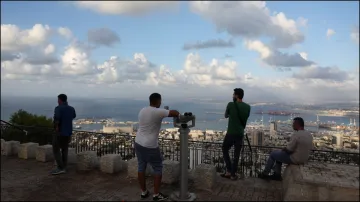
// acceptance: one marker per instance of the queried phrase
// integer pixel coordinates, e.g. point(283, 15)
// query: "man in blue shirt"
point(63, 123)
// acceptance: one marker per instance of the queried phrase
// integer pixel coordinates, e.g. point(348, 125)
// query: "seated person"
point(296, 152)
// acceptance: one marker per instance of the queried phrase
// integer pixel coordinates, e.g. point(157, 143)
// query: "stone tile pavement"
point(29, 180)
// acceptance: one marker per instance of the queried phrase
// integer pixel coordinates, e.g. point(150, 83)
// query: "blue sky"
point(160, 35)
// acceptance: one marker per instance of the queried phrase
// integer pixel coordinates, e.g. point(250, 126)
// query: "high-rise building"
point(257, 138)
point(337, 139)
point(273, 129)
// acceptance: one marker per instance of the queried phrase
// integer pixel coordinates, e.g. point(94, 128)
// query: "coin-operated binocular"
point(182, 120)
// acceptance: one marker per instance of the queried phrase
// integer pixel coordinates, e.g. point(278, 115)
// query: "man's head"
point(238, 94)
point(62, 98)
point(298, 123)
point(155, 100)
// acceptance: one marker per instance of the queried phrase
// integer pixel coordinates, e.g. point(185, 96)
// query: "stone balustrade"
point(9, 148)
point(44, 153)
point(87, 161)
point(112, 163)
point(321, 182)
point(204, 177)
point(28, 150)
point(310, 182)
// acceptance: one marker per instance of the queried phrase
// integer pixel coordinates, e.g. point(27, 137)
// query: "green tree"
point(39, 128)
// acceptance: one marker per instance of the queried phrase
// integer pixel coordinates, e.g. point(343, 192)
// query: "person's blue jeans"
point(277, 158)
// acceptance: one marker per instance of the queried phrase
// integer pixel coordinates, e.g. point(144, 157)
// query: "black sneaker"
point(275, 177)
point(160, 197)
point(145, 195)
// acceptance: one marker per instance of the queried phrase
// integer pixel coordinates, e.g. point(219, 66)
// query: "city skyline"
point(276, 51)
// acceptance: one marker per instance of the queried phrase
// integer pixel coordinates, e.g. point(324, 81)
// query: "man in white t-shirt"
point(146, 144)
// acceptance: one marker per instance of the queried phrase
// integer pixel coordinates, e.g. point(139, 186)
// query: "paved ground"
point(28, 180)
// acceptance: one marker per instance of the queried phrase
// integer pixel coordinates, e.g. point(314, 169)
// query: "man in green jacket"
point(238, 113)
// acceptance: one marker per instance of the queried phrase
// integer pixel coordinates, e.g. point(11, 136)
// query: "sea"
point(209, 114)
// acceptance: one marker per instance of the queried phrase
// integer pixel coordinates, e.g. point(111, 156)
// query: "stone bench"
point(44, 153)
point(28, 150)
point(170, 175)
point(321, 182)
point(87, 160)
point(132, 168)
point(9, 148)
point(112, 163)
point(204, 176)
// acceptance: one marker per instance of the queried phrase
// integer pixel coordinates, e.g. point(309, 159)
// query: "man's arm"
point(291, 146)
point(227, 111)
point(74, 116)
point(57, 117)
point(168, 113)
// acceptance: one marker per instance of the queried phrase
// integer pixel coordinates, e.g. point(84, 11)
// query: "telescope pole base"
point(176, 197)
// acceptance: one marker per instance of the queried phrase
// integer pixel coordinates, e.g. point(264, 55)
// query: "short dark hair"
point(300, 121)
point(62, 97)
point(239, 92)
point(154, 97)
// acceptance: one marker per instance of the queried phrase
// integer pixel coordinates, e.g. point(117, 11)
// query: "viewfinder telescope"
point(182, 120)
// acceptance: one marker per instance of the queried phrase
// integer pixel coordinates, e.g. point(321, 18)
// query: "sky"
point(306, 52)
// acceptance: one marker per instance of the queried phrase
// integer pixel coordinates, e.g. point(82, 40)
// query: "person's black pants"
point(230, 140)
point(61, 143)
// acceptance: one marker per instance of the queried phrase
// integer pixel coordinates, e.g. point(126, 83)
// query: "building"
point(273, 129)
point(337, 140)
point(257, 138)
point(118, 129)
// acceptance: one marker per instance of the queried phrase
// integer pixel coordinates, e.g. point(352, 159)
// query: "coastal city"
point(328, 136)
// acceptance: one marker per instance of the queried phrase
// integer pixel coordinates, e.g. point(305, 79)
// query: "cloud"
point(116, 70)
point(212, 43)
point(354, 35)
point(251, 20)
point(15, 39)
point(76, 60)
point(329, 33)
point(33, 61)
point(325, 73)
point(275, 58)
point(103, 36)
point(216, 72)
point(132, 8)
point(65, 32)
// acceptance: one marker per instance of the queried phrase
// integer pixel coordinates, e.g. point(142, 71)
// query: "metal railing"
point(252, 159)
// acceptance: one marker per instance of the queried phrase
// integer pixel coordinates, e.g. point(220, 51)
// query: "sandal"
point(225, 176)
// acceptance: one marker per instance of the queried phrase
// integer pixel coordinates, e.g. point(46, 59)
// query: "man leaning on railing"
point(296, 152)
point(238, 113)
point(147, 146)
point(63, 124)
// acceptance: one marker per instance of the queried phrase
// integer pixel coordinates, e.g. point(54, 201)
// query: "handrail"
point(17, 127)
point(190, 141)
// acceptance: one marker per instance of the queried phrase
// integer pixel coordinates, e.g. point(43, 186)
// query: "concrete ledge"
point(171, 172)
point(204, 177)
point(9, 148)
point(87, 161)
point(44, 153)
point(28, 150)
point(112, 163)
point(321, 182)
